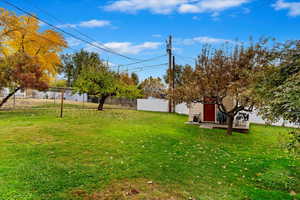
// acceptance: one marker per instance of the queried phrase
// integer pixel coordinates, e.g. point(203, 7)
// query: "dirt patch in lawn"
point(132, 190)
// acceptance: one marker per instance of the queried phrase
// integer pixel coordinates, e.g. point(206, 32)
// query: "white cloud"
point(157, 35)
point(203, 40)
point(127, 47)
point(72, 42)
point(67, 26)
point(169, 6)
point(94, 23)
point(196, 18)
point(292, 7)
point(156, 6)
point(210, 6)
point(87, 24)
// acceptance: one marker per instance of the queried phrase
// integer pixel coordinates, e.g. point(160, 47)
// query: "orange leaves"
point(27, 73)
point(126, 79)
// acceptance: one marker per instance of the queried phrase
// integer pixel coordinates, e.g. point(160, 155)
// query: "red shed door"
point(209, 111)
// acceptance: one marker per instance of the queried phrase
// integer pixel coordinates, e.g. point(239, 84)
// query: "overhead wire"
point(185, 57)
point(67, 33)
point(140, 69)
point(87, 42)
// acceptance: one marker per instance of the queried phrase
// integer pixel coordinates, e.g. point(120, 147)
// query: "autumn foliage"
point(224, 75)
point(29, 58)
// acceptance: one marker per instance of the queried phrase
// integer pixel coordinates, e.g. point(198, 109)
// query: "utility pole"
point(173, 85)
point(169, 51)
point(118, 69)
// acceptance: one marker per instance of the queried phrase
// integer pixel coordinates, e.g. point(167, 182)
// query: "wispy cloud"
point(196, 18)
point(157, 35)
point(203, 40)
point(127, 47)
point(169, 6)
point(94, 23)
point(155, 6)
point(292, 7)
point(213, 6)
point(72, 42)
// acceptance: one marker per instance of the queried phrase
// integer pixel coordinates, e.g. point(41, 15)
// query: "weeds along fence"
point(37, 99)
point(33, 99)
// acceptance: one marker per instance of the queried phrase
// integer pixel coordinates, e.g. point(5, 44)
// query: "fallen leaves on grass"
point(132, 190)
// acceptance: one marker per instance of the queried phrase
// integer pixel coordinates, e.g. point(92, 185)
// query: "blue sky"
point(139, 28)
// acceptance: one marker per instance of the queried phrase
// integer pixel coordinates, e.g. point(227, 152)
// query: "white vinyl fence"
point(255, 118)
point(155, 105)
point(162, 105)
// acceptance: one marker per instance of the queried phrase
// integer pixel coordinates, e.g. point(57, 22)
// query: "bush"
point(293, 144)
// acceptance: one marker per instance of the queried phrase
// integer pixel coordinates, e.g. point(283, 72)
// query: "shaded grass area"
point(45, 157)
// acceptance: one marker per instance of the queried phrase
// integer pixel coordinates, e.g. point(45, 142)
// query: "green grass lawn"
point(125, 154)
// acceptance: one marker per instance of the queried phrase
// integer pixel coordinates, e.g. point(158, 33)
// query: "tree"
point(223, 76)
point(153, 87)
point(26, 73)
point(178, 72)
point(98, 81)
point(67, 68)
point(61, 83)
point(29, 58)
point(125, 78)
point(135, 78)
point(277, 88)
point(73, 64)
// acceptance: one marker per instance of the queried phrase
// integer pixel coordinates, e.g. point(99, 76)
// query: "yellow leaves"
point(21, 34)
point(49, 62)
point(54, 40)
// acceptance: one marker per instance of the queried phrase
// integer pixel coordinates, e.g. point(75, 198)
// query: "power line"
point(147, 60)
point(73, 28)
point(185, 57)
point(45, 38)
point(67, 33)
point(85, 41)
point(141, 68)
point(146, 70)
point(92, 39)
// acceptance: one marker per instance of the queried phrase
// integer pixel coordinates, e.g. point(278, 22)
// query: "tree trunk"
point(8, 96)
point(230, 120)
point(101, 102)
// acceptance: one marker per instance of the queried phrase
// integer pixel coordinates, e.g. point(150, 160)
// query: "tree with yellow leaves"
point(28, 58)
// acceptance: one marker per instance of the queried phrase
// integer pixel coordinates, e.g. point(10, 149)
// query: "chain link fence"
point(25, 99)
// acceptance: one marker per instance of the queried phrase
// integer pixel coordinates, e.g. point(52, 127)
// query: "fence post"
point(14, 101)
point(62, 103)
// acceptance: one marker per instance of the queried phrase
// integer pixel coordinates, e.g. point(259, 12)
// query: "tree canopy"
point(224, 75)
point(179, 70)
point(73, 64)
point(96, 79)
point(153, 87)
point(29, 58)
point(277, 87)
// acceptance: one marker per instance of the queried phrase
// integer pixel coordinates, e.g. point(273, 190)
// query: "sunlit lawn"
point(122, 154)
